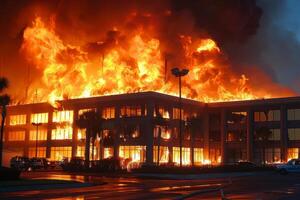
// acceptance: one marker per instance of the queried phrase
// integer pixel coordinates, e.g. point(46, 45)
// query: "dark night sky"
point(276, 46)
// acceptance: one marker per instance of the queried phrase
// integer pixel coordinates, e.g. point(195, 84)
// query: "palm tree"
point(92, 122)
point(263, 134)
point(4, 101)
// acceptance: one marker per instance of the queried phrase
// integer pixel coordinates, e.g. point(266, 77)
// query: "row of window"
point(107, 113)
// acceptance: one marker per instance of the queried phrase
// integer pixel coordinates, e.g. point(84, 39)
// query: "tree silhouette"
point(92, 122)
point(4, 101)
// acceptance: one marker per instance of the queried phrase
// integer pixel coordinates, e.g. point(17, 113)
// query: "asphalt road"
point(260, 186)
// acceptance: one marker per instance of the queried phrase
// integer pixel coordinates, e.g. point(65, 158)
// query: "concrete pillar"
point(74, 134)
point(170, 148)
point(223, 129)
point(117, 132)
point(149, 132)
point(206, 135)
point(49, 130)
point(250, 135)
point(283, 133)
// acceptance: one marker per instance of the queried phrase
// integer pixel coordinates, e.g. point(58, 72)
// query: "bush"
point(9, 174)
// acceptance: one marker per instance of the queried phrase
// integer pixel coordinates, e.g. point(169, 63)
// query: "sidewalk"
point(195, 176)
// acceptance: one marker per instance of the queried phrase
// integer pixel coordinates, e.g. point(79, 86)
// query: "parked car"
point(20, 163)
point(39, 163)
point(292, 166)
point(75, 164)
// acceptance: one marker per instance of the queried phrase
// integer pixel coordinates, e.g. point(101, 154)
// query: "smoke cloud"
point(97, 26)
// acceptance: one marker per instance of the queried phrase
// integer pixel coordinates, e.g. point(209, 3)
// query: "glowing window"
point(131, 111)
point(108, 113)
point(63, 116)
point(272, 155)
point(165, 133)
point(80, 112)
point(160, 111)
point(81, 134)
point(186, 155)
point(17, 120)
point(176, 114)
point(135, 153)
point(58, 153)
point(42, 134)
point(198, 156)
point(62, 133)
point(41, 152)
point(80, 151)
point(108, 152)
point(293, 153)
point(39, 118)
point(16, 136)
point(163, 154)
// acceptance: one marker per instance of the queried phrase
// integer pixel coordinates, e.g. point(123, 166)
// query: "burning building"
point(116, 57)
point(139, 124)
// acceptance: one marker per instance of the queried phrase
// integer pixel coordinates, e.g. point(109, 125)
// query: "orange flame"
point(68, 72)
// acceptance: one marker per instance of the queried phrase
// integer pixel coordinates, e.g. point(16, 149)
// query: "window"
point(161, 111)
point(164, 132)
point(236, 135)
point(81, 134)
point(80, 151)
point(275, 135)
point(163, 154)
point(198, 156)
point(17, 120)
point(108, 152)
point(63, 116)
point(16, 136)
point(237, 117)
point(39, 118)
point(108, 113)
point(271, 115)
point(41, 152)
point(215, 155)
point(62, 133)
point(293, 153)
point(293, 114)
point(42, 135)
point(176, 113)
point(186, 158)
point(136, 153)
point(80, 112)
point(58, 153)
point(272, 155)
point(136, 132)
point(131, 111)
point(294, 133)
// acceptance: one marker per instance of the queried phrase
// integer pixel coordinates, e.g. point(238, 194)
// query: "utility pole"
point(179, 73)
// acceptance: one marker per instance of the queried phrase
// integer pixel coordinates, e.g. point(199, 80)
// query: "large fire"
point(133, 64)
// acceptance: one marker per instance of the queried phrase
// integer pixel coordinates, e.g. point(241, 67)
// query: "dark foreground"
point(262, 185)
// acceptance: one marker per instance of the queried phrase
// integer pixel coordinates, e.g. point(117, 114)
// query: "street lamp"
point(36, 137)
point(179, 73)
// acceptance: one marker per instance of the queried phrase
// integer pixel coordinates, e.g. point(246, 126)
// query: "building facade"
point(144, 127)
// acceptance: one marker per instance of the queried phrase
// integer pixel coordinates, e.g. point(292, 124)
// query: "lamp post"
point(180, 73)
point(36, 137)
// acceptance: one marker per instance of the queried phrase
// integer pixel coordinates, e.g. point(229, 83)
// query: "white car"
point(292, 166)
